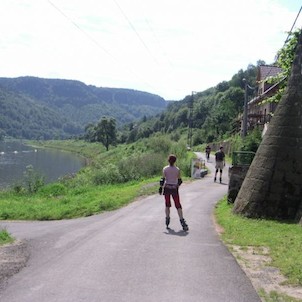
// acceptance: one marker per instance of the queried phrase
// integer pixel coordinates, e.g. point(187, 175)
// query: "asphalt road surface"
point(129, 255)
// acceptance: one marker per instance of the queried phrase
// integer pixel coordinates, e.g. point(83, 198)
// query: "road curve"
point(128, 255)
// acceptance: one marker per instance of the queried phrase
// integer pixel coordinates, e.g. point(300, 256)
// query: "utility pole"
point(245, 108)
point(190, 120)
point(244, 122)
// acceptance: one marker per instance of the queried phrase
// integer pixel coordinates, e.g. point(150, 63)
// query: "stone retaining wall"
point(236, 177)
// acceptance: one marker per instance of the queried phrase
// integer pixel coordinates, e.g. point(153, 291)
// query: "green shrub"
point(32, 180)
point(54, 189)
point(175, 136)
point(141, 166)
point(107, 174)
point(18, 188)
point(5, 237)
point(252, 141)
point(160, 144)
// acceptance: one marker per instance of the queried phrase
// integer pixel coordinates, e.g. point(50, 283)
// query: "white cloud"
point(165, 47)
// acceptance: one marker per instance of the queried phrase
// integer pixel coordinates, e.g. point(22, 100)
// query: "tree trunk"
point(272, 187)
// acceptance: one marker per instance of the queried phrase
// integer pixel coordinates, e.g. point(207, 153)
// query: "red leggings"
point(175, 198)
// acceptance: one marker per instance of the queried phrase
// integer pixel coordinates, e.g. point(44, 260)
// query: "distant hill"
point(36, 108)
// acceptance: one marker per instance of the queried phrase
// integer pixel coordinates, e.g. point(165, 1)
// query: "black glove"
point(160, 190)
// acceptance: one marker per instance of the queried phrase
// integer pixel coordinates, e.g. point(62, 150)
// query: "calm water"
point(52, 164)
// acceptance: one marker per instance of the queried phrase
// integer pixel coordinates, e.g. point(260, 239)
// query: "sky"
point(171, 48)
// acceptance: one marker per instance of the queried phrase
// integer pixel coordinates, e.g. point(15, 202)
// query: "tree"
point(90, 133)
point(272, 186)
point(105, 131)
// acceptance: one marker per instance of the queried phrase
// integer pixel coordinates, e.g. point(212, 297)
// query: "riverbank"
point(111, 180)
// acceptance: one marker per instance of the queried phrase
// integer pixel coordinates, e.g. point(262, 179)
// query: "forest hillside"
point(36, 108)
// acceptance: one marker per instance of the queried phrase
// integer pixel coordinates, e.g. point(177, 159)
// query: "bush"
point(5, 237)
point(54, 189)
point(252, 141)
point(139, 166)
point(175, 136)
point(108, 174)
point(160, 144)
point(31, 182)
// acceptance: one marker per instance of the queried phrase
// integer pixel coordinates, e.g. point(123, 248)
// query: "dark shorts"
point(172, 191)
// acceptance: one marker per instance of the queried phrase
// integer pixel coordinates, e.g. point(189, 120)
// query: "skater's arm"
point(162, 181)
point(179, 180)
point(161, 184)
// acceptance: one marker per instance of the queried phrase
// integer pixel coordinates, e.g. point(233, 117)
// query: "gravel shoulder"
point(255, 262)
point(13, 257)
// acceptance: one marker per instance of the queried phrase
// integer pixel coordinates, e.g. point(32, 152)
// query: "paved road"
point(128, 255)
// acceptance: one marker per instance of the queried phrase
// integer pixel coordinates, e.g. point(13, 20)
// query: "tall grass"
point(5, 237)
point(59, 201)
point(111, 180)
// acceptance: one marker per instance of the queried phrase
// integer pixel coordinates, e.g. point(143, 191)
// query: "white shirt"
point(171, 173)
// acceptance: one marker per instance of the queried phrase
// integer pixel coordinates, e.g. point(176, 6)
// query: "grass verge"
point(56, 201)
point(5, 237)
point(283, 239)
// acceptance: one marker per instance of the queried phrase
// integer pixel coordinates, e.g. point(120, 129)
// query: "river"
point(49, 163)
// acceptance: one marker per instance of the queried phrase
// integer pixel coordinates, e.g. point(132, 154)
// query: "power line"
point(158, 42)
point(135, 31)
point(97, 43)
point(293, 25)
point(286, 40)
point(80, 29)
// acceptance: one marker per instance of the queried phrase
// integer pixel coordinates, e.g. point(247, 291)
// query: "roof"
point(266, 71)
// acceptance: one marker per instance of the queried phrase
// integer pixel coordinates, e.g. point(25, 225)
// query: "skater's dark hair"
point(172, 158)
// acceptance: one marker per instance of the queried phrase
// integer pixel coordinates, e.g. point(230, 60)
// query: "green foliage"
point(212, 118)
point(32, 180)
point(160, 144)
point(142, 166)
point(53, 189)
point(125, 169)
point(252, 141)
point(287, 52)
point(249, 143)
point(5, 237)
point(77, 201)
point(175, 136)
point(108, 174)
point(285, 58)
point(21, 117)
point(275, 296)
point(277, 236)
point(35, 108)
point(105, 132)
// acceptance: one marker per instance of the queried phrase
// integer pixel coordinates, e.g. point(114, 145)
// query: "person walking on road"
point(220, 163)
point(208, 151)
point(169, 185)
